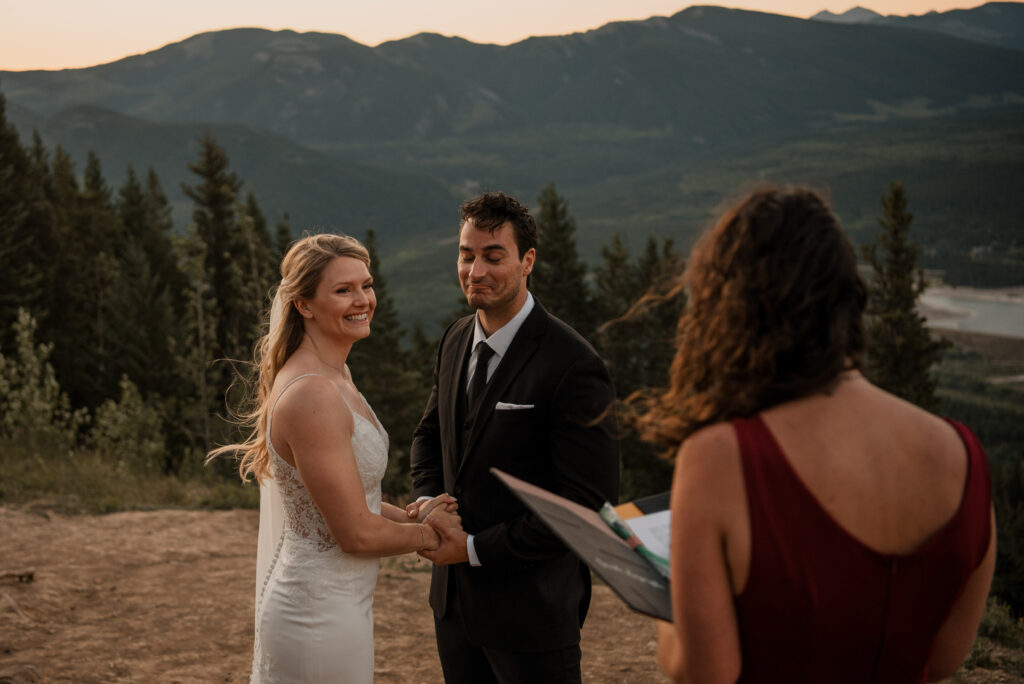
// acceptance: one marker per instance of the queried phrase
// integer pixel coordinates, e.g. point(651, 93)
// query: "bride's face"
point(344, 302)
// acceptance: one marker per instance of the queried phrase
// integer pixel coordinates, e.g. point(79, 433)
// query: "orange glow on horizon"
point(59, 34)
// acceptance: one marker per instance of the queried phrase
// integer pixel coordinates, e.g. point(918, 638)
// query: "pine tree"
point(900, 350)
point(390, 377)
point(235, 273)
point(214, 215)
point(617, 286)
point(282, 237)
point(559, 277)
point(147, 311)
point(26, 271)
point(87, 252)
point(637, 342)
point(157, 241)
point(252, 274)
point(197, 351)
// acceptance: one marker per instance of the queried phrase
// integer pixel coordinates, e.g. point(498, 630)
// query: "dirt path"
point(166, 597)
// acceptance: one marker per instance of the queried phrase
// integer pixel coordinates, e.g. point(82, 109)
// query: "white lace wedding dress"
point(314, 602)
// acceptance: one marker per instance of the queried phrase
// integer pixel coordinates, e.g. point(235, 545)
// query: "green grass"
point(83, 481)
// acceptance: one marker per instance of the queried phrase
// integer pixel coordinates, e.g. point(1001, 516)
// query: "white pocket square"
point(505, 406)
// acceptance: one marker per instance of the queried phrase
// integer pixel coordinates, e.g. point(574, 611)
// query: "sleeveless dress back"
point(820, 605)
point(314, 614)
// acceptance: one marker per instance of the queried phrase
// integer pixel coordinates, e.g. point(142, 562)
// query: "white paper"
point(654, 531)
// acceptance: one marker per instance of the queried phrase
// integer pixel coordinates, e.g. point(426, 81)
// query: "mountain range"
point(998, 23)
point(645, 126)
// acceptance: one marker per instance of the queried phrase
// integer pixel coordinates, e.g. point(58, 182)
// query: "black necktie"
point(479, 380)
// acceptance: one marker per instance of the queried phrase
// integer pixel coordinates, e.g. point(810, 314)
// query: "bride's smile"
point(343, 305)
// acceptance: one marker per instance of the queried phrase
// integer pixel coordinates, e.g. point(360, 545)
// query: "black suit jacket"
point(530, 593)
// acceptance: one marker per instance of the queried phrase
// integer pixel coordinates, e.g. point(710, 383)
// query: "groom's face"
point(491, 271)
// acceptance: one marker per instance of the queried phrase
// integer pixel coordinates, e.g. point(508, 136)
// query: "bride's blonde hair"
point(301, 271)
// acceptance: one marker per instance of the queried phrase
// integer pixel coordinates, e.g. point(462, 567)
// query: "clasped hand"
point(440, 513)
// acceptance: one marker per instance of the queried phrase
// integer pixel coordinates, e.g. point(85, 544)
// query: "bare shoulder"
point(932, 434)
point(312, 402)
point(710, 446)
point(708, 462)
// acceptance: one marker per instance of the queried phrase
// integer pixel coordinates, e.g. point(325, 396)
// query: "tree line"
point(137, 338)
point(125, 336)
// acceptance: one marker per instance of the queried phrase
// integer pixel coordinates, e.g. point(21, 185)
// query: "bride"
point(319, 453)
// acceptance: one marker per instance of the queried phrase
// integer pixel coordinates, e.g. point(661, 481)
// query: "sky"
point(57, 34)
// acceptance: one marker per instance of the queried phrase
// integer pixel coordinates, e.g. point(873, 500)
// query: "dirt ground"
point(167, 597)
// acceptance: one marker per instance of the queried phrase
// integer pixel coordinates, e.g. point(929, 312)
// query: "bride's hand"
point(431, 539)
point(419, 510)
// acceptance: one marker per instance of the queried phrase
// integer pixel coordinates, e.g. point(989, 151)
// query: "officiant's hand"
point(419, 510)
point(453, 542)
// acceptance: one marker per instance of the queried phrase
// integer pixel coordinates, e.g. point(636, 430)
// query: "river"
point(992, 312)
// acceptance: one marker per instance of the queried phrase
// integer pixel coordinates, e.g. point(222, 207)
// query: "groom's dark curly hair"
point(491, 210)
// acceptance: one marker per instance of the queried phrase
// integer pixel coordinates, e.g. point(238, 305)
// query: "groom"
point(517, 389)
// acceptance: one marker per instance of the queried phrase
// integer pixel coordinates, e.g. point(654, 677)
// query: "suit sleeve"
point(426, 457)
point(584, 454)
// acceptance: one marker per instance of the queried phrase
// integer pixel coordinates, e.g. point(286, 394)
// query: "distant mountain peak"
point(854, 15)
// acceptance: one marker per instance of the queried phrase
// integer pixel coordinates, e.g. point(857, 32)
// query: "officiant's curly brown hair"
point(773, 312)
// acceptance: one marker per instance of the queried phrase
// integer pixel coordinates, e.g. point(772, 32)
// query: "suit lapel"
point(523, 346)
point(452, 379)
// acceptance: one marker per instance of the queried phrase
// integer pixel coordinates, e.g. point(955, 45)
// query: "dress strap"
point(270, 418)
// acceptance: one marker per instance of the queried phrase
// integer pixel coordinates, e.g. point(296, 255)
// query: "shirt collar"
point(502, 337)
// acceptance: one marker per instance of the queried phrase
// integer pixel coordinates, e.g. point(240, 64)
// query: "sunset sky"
point(54, 34)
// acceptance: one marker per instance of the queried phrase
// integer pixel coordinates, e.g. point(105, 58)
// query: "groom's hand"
point(453, 542)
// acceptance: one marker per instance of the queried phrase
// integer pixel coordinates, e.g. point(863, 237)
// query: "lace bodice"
point(302, 517)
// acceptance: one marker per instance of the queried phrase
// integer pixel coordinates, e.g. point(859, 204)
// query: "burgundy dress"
point(819, 605)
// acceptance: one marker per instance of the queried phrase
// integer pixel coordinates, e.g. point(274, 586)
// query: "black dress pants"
point(465, 662)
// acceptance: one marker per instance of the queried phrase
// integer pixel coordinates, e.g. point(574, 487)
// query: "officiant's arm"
point(585, 464)
point(314, 426)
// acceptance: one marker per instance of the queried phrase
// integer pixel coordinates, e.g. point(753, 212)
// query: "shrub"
point(1000, 626)
point(129, 431)
point(33, 409)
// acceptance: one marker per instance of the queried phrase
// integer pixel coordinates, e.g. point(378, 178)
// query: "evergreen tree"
point(390, 378)
point(282, 237)
point(157, 242)
point(617, 286)
point(83, 320)
point(636, 340)
point(900, 350)
point(423, 353)
point(235, 273)
point(252, 274)
point(147, 311)
point(38, 153)
point(214, 215)
point(25, 239)
point(197, 351)
point(559, 277)
point(96, 224)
